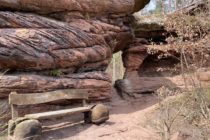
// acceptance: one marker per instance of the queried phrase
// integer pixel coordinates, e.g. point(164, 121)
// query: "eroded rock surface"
point(168, 51)
point(51, 6)
point(47, 45)
point(97, 84)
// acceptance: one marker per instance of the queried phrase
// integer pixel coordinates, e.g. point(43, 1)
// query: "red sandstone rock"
point(134, 83)
point(84, 6)
point(49, 49)
point(133, 57)
point(97, 83)
point(83, 39)
point(32, 42)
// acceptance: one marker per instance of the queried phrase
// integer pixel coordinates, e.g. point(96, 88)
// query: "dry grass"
point(187, 116)
point(188, 30)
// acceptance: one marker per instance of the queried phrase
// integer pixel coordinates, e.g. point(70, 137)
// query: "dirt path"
point(127, 122)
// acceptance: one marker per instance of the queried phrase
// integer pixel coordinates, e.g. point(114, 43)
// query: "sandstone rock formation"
point(166, 47)
point(91, 6)
point(97, 84)
point(47, 45)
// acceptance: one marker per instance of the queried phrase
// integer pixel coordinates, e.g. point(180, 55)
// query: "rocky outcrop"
point(134, 83)
point(36, 48)
point(47, 45)
point(168, 51)
point(84, 6)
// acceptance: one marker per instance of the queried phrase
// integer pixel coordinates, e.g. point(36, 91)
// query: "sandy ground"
point(127, 121)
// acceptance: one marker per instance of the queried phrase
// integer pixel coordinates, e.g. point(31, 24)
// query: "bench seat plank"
point(54, 114)
point(39, 98)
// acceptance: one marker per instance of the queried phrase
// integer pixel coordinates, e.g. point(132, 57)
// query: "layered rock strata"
point(47, 45)
point(161, 56)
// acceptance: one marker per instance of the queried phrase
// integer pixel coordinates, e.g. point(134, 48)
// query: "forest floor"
point(128, 121)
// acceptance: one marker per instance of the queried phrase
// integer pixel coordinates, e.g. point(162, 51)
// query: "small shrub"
point(55, 73)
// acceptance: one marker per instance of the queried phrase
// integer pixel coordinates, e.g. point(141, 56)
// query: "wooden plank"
point(54, 114)
point(14, 108)
point(39, 98)
point(84, 103)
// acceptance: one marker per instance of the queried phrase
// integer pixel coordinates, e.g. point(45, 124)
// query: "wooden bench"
point(16, 100)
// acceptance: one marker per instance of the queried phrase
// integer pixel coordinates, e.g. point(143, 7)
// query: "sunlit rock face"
point(47, 45)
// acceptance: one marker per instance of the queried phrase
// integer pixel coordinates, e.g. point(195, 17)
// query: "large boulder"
point(83, 6)
point(28, 130)
point(47, 45)
point(33, 42)
point(44, 54)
